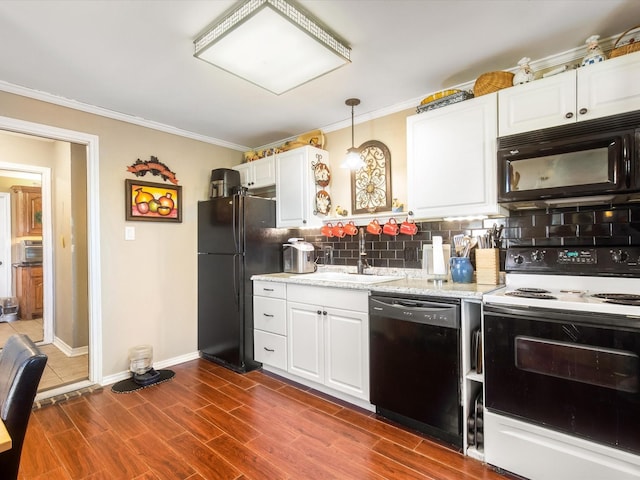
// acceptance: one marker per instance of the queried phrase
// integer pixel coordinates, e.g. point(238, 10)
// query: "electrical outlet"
point(129, 233)
point(327, 254)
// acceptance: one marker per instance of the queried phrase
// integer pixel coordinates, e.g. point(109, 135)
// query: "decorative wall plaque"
point(371, 185)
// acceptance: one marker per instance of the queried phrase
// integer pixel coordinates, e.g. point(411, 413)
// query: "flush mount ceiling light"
point(353, 160)
point(272, 44)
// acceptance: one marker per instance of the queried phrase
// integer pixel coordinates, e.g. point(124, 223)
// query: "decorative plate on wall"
point(323, 203)
point(321, 174)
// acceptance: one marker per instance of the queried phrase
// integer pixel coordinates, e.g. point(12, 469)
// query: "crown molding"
point(568, 57)
point(104, 112)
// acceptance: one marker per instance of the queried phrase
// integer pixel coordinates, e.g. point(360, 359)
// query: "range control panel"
point(594, 261)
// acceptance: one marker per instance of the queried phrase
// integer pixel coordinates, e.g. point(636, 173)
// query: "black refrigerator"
point(237, 238)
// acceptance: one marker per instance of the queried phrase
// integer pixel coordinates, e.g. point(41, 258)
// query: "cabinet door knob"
point(319, 312)
point(583, 111)
point(324, 313)
point(569, 115)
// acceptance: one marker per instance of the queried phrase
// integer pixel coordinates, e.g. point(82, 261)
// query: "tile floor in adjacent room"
point(60, 369)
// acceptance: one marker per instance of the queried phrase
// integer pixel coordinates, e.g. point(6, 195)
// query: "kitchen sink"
point(350, 277)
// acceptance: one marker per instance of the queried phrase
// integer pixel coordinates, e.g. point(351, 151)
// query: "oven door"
point(574, 373)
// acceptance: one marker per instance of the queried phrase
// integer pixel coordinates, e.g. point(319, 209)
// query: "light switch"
point(129, 233)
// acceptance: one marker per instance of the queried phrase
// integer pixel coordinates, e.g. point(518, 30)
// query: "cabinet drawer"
point(345, 299)
point(270, 314)
point(270, 289)
point(270, 349)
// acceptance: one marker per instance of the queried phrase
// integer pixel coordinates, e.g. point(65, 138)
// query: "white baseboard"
point(116, 377)
point(68, 350)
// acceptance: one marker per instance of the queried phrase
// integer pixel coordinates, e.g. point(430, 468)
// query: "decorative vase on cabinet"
point(594, 52)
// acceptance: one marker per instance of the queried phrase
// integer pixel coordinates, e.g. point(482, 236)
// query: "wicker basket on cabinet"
point(492, 82)
point(630, 47)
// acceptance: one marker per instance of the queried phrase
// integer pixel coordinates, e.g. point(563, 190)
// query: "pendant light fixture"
point(352, 161)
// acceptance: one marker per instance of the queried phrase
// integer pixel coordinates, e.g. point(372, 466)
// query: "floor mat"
point(129, 385)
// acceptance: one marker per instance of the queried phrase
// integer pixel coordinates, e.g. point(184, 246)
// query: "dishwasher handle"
point(416, 311)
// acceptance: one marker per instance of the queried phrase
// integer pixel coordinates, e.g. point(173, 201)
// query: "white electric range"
point(562, 364)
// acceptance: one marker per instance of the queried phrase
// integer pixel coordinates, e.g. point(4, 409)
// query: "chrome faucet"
point(362, 257)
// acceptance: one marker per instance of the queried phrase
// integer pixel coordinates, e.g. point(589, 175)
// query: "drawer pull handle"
point(267, 315)
point(268, 289)
point(269, 349)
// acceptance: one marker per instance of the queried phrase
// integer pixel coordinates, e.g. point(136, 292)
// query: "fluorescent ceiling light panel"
point(272, 44)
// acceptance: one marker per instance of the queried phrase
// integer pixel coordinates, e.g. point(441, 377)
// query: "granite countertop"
point(410, 282)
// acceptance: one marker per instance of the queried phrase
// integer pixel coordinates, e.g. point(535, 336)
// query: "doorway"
point(78, 289)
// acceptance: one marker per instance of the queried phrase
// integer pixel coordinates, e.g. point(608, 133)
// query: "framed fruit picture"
point(154, 202)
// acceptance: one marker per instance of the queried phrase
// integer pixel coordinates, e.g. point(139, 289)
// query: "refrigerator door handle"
point(238, 223)
point(234, 224)
point(236, 279)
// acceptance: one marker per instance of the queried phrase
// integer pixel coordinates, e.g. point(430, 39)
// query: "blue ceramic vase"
point(461, 269)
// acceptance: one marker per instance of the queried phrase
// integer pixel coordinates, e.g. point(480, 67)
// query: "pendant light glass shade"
point(352, 161)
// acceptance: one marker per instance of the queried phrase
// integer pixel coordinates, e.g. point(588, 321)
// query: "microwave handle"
point(626, 156)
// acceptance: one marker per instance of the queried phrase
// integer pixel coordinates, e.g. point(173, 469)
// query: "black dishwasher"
point(414, 345)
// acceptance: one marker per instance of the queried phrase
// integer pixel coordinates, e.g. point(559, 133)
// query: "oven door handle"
point(534, 313)
point(562, 316)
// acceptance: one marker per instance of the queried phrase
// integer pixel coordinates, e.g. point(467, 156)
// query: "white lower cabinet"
point(270, 324)
point(328, 337)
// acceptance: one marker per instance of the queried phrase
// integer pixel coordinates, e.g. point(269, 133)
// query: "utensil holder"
point(488, 266)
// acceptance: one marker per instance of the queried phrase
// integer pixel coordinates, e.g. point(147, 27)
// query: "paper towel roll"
point(438, 257)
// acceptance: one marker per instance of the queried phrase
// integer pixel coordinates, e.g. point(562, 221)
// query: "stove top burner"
point(622, 301)
point(618, 296)
point(532, 290)
point(522, 293)
point(630, 299)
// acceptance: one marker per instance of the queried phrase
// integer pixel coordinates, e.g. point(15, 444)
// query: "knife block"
point(488, 266)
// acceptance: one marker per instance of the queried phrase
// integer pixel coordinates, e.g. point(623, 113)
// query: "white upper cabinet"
point(296, 189)
point(451, 160)
point(595, 91)
point(258, 174)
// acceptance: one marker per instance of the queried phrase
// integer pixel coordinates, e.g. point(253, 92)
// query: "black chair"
point(21, 367)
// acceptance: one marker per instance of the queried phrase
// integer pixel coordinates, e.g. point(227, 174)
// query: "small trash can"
point(8, 309)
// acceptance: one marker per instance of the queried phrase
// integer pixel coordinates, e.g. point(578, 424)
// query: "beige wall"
point(149, 293)
point(149, 285)
point(78, 235)
point(390, 130)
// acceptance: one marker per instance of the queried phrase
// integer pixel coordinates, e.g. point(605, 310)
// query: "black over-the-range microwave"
point(593, 161)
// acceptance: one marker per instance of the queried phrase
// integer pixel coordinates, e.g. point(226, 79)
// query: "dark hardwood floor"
point(210, 423)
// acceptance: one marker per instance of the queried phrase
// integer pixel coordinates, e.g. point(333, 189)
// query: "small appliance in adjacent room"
point(237, 238)
point(297, 256)
point(28, 251)
point(562, 364)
